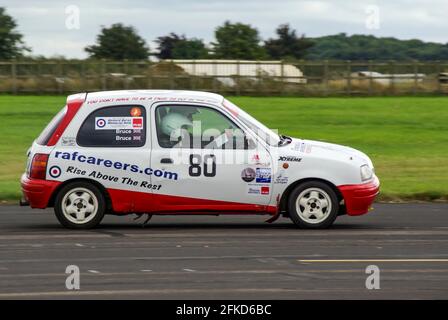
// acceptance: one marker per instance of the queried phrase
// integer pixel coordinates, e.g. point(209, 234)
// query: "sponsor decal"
point(114, 123)
point(118, 165)
point(55, 172)
point(290, 158)
point(98, 175)
point(281, 178)
point(285, 165)
point(248, 174)
point(264, 190)
point(100, 123)
point(256, 158)
point(137, 123)
point(136, 112)
point(256, 161)
point(263, 175)
point(68, 141)
point(253, 189)
point(302, 147)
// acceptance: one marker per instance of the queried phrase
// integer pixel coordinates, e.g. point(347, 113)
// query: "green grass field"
point(406, 137)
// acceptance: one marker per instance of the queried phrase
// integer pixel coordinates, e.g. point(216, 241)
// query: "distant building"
point(226, 70)
point(443, 77)
point(387, 79)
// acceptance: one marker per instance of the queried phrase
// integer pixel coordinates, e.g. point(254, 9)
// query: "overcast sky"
point(43, 22)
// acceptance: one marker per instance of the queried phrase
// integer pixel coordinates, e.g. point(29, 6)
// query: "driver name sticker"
point(114, 123)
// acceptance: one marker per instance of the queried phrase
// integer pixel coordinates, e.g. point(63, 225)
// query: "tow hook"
point(139, 215)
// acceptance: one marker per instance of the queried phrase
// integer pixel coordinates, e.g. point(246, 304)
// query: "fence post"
point(259, 78)
point(83, 76)
point(14, 77)
point(148, 74)
point(392, 79)
point(60, 75)
point(193, 79)
point(282, 75)
point(125, 71)
point(238, 78)
point(103, 75)
point(215, 76)
point(39, 77)
point(325, 77)
point(172, 75)
point(415, 88)
point(439, 70)
point(349, 77)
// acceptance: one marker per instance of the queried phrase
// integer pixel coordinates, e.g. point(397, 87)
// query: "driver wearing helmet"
point(177, 126)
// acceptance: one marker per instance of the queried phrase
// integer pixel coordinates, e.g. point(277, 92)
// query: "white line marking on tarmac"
point(146, 270)
point(189, 270)
point(150, 291)
point(373, 260)
point(93, 271)
point(79, 245)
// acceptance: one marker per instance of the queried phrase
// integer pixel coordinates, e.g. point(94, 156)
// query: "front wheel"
point(80, 205)
point(313, 205)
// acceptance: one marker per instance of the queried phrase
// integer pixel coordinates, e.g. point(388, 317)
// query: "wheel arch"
point(285, 196)
point(100, 187)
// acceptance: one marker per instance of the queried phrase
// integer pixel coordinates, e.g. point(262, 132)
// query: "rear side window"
point(45, 136)
point(117, 126)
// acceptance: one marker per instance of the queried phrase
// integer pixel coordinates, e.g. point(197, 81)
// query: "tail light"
point(39, 166)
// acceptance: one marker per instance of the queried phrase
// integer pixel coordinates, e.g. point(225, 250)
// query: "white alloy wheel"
point(313, 205)
point(79, 205)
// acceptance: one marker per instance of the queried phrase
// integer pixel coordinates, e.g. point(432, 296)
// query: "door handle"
point(166, 160)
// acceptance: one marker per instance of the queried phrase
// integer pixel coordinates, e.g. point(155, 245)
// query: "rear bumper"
point(37, 193)
point(359, 197)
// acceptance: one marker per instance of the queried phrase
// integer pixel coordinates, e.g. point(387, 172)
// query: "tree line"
point(234, 41)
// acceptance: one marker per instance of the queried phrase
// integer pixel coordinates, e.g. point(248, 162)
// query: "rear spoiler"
point(74, 103)
point(77, 97)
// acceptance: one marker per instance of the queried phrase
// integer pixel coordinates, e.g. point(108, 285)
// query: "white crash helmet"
point(174, 121)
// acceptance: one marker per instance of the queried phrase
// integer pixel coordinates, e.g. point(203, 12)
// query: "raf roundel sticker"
point(248, 174)
point(100, 123)
point(55, 172)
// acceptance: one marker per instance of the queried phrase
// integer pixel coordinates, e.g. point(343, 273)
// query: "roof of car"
point(154, 95)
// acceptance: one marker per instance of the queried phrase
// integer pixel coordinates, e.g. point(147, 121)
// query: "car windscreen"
point(256, 126)
point(46, 134)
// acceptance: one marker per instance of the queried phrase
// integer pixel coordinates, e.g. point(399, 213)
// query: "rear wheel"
point(80, 205)
point(313, 205)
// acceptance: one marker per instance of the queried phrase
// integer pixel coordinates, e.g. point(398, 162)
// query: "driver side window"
point(183, 126)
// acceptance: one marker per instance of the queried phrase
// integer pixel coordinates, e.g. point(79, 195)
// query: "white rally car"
point(184, 152)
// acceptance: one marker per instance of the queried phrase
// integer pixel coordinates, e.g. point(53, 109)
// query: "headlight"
point(366, 172)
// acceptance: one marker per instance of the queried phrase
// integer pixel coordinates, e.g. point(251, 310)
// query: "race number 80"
point(209, 164)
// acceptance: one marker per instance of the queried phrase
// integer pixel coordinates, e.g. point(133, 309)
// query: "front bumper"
point(37, 193)
point(359, 197)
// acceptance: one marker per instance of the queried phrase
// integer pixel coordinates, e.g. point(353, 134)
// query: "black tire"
point(329, 216)
point(95, 195)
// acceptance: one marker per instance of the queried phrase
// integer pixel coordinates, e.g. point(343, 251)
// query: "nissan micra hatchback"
point(183, 152)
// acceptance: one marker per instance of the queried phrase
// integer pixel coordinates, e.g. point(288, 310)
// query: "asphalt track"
point(227, 257)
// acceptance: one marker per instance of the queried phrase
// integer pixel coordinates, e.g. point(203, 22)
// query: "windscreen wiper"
point(284, 140)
